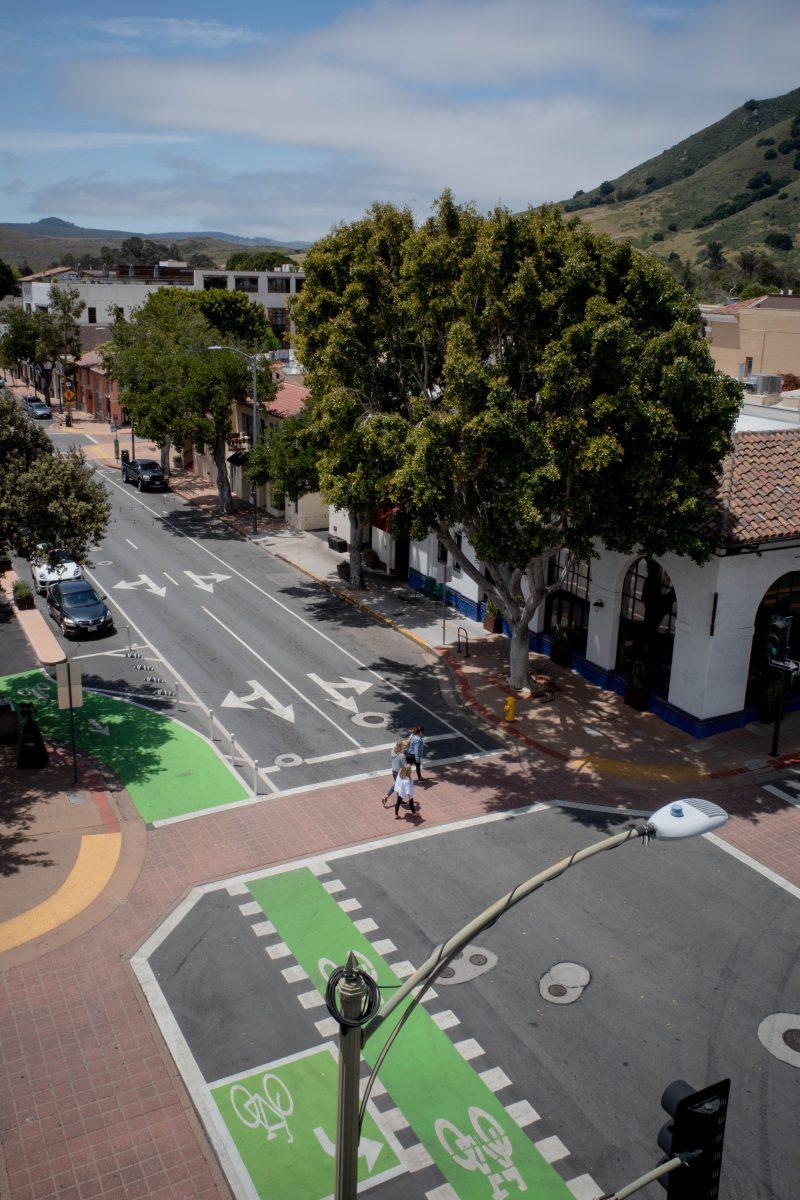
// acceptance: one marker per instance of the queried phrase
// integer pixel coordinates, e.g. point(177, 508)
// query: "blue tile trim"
point(611, 680)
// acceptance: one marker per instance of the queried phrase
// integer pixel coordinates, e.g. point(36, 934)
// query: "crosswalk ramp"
point(786, 786)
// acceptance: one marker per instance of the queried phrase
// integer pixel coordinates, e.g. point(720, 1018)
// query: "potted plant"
point(23, 596)
point(561, 646)
point(492, 618)
point(636, 689)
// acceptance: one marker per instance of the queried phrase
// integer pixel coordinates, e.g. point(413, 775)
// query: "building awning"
point(382, 516)
point(238, 457)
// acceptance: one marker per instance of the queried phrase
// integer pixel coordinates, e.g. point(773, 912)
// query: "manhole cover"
point(792, 1038)
point(478, 960)
point(564, 983)
point(780, 1034)
point(469, 964)
point(447, 973)
point(557, 989)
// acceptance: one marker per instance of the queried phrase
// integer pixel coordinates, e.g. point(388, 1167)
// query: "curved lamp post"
point(350, 988)
point(252, 362)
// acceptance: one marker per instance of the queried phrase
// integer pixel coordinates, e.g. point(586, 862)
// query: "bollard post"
point(233, 751)
point(211, 723)
point(177, 695)
point(255, 776)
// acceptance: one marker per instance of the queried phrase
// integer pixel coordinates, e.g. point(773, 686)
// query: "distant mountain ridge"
point(57, 228)
point(736, 181)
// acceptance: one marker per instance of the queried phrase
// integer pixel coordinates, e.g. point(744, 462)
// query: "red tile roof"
point(759, 490)
point(290, 400)
point(93, 361)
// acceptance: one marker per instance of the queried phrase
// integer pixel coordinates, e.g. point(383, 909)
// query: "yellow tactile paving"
point(97, 858)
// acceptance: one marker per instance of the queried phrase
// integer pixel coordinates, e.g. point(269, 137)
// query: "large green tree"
point(578, 406)
point(171, 386)
point(8, 281)
point(256, 260)
point(352, 338)
point(287, 458)
point(45, 496)
point(66, 307)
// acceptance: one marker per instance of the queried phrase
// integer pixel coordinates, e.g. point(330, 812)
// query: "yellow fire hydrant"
point(510, 708)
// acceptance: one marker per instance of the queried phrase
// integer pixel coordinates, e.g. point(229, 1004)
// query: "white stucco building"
point(699, 630)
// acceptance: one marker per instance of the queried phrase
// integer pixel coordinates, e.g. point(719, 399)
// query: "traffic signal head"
point(780, 629)
point(696, 1134)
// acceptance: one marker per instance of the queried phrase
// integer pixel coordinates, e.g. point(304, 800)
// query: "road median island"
point(167, 769)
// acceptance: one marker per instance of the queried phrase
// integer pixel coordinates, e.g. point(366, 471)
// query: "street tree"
point(8, 281)
point(256, 260)
point(171, 387)
point(287, 458)
point(352, 340)
point(66, 307)
point(46, 496)
point(18, 342)
point(579, 405)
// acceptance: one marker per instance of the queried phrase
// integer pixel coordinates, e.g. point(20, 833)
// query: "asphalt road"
point(309, 687)
point(686, 951)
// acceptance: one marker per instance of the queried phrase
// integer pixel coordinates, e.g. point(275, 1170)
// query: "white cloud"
point(171, 32)
point(54, 141)
point(519, 100)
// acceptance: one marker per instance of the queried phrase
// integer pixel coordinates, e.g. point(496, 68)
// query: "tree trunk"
point(165, 456)
point(223, 479)
point(356, 526)
point(519, 654)
point(47, 380)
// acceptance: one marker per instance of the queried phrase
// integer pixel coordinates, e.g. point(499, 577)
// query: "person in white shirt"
point(403, 788)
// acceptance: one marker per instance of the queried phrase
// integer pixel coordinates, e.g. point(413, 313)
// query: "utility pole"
point(351, 994)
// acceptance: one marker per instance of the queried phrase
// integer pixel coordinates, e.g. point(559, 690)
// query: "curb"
point(40, 638)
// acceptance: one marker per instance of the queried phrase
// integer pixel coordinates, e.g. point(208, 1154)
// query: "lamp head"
point(685, 818)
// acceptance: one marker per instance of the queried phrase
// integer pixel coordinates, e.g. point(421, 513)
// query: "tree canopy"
point(522, 379)
point(45, 496)
point(171, 386)
point(256, 260)
point(8, 281)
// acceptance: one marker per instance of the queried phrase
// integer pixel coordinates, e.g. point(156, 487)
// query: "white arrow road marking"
point(347, 736)
point(98, 728)
point(143, 581)
point(367, 1148)
point(202, 581)
point(259, 692)
point(333, 690)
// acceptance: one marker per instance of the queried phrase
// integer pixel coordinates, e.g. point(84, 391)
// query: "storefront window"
point(568, 607)
point(647, 618)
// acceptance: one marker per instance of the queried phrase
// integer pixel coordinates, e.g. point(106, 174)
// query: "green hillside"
point(697, 191)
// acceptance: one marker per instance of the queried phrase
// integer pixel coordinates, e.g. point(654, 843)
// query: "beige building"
point(754, 337)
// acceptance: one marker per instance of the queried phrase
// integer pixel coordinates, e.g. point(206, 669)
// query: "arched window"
point(782, 599)
point(647, 622)
point(569, 605)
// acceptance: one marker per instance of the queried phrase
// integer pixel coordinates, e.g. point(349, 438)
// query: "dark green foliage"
point(750, 105)
point(235, 318)
point(142, 251)
point(672, 227)
point(45, 496)
point(714, 254)
point(650, 181)
point(8, 281)
point(787, 146)
point(796, 162)
point(658, 236)
point(765, 141)
point(256, 260)
point(759, 180)
point(199, 261)
point(580, 192)
point(770, 154)
point(286, 458)
point(606, 187)
point(779, 241)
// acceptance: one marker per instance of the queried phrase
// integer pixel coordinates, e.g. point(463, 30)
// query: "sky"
point(280, 120)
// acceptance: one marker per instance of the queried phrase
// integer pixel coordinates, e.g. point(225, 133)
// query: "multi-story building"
point(754, 337)
point(117, 291)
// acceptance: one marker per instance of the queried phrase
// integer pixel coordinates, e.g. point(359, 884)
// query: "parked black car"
point(78, 609)
point(145, 473)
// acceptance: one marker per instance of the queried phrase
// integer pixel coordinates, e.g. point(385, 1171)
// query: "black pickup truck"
point(145, 473)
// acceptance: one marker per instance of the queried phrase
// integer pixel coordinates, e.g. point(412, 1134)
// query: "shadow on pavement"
point(21, 791)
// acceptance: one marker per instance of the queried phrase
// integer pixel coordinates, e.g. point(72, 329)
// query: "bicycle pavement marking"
point(429, 1080)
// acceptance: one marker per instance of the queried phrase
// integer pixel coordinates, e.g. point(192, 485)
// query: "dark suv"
point(78, 608)
point(145, 473)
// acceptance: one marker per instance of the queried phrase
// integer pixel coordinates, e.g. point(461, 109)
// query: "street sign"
point(68, 679)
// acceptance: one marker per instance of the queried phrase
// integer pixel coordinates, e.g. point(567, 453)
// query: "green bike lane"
point(167, 768)
point(464, 1128)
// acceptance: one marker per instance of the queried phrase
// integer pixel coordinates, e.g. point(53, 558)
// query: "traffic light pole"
point(776, 733)
point(643, 1180)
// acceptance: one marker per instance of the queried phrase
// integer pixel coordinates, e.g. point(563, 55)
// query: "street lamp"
point(354, 1000)
point(252, 361)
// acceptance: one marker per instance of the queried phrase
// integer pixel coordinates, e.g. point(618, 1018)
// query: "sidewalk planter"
point(492, 619)
point(343, 571)
point(23, 596)
point(336, 543)
point(560, 647)
point(371, 559)
point(637, 694)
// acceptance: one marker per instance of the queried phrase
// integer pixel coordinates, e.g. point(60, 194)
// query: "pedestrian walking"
point(403, 788)
point(398, 762)
point(416, 748)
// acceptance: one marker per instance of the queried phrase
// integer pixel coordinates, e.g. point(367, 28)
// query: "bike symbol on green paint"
point(256, 1108)
point(473, 1151)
